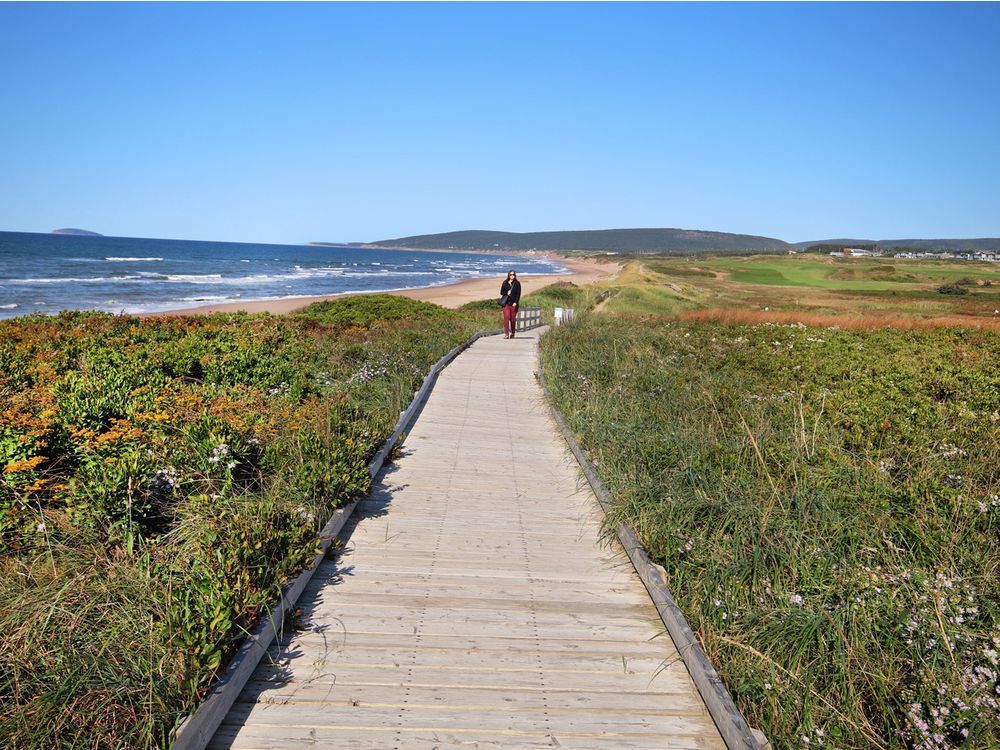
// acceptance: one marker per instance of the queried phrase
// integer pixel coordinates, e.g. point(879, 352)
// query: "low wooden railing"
point(528, 318)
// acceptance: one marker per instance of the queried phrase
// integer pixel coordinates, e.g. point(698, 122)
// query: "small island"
point(77, 232)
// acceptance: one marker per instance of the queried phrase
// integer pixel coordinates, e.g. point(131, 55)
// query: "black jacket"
point(513, 291)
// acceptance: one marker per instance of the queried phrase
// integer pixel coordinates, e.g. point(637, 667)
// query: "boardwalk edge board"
point(196, 730)
point(735, 731)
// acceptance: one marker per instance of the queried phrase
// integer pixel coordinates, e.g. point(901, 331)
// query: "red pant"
point(509, 319)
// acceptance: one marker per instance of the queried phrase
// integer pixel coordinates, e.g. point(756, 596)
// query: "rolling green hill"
point(660, 241)
point(674, 241)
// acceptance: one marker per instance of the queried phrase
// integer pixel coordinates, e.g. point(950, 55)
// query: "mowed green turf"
point(823, 272)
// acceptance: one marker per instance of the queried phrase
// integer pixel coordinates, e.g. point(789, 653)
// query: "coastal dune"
point(582, 271)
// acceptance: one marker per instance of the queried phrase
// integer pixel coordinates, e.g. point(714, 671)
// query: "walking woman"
point(511, 291)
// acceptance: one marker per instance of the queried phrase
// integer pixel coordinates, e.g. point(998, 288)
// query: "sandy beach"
point(583, 271)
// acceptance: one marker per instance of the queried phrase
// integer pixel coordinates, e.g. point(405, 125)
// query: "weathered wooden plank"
point(669, 681)
point(344, 694)
point(415, 622)
point(495, 587)
point(588, 566)
point(418, 738)
point(378, 569)
point(591, 663)
point(505, 612)
point(402, 581)
point(474, 569)
point(485, 717)
point(477, 568)
point(531, 559)
point(435, 510)
point(617, 644)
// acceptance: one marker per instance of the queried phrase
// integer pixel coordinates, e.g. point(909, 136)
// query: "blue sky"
point(335, 122)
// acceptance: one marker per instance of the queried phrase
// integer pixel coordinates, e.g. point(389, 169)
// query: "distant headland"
point(77, 232)
point(661, 240)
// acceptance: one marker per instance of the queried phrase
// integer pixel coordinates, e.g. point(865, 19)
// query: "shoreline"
point(581, 272)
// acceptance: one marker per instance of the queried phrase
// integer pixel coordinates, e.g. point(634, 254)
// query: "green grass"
point(809, 283)
point(771, 276)
point(810, 271)
point(645, 300)
point(825, 505)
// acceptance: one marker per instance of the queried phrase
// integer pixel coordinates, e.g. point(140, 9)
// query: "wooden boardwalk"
point(473, 604)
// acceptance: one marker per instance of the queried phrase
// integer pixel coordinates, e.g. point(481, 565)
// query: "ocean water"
point(47, 273)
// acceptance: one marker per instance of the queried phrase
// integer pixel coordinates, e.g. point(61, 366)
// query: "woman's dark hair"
point(512, 271)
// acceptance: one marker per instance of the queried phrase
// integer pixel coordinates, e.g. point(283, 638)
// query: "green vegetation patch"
point(686, 272)
point(370, 310)
point(826, 273)
point(482, 305)
point(825, 503)
point(877, 273)
point(160, 480)
point(648, 300)
point(559, 294)
point(952, 289)
point(762, 275)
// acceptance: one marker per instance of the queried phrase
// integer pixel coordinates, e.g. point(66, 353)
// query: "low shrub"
point(484, 305)
point(559, 294)
point(161, 479)
point(565, 291)
point(955, 288)
point(370, 310)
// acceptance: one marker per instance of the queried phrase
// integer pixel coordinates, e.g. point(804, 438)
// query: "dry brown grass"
point(866, 321)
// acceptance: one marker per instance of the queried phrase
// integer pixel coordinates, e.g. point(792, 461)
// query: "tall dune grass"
point(825, 503)
point(869, 320)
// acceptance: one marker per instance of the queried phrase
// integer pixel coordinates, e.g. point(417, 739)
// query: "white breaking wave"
point(319, 271)
point(65, 279)
point(213, 298)
point(117, 259)
point(197, 278)
point(8, 307)
point(300, 274)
